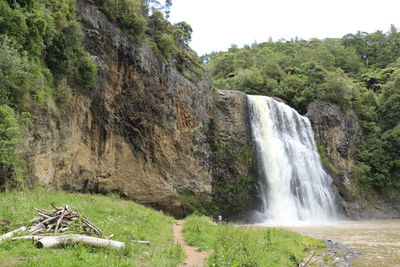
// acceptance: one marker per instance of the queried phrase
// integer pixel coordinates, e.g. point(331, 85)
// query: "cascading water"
point(295, 188)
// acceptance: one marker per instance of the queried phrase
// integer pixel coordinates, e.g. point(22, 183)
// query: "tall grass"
point(243, 246)
point(126, 220)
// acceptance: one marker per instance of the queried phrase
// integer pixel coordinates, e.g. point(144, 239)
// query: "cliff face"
point(338, 135)
point(234, 179)
point(142, 131)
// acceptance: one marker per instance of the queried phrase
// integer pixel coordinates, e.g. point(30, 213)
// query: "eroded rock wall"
point(338, 135)
point(234, 173)
point(141, 131)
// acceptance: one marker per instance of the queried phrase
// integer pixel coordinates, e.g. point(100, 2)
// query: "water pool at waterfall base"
point(376, 241)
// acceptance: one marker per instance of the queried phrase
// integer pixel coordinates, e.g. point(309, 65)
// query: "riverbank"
point(375, 241)
point(242, 246)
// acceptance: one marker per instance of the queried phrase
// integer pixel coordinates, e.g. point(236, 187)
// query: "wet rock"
point(340, 253)
point(338, 134)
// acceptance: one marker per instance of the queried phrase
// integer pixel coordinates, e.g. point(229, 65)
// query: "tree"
point(184, 32)
point(168, 4)
point(10, 133)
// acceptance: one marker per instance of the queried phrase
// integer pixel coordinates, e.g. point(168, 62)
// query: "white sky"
point(219, 23)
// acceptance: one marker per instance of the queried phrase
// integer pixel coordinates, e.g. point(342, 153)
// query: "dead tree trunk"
point(58, 241)
point(10, 234)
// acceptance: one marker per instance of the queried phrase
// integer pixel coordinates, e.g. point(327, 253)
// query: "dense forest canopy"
point(359, 72)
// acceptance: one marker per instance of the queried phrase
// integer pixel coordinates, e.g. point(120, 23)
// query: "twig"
point(305, 265)
point(318, 259)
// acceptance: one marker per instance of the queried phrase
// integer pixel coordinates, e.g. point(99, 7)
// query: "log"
point(11, 234)
point(59, 241)
point(31, 237)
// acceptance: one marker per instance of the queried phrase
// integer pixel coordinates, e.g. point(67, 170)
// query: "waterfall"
point(294, 186)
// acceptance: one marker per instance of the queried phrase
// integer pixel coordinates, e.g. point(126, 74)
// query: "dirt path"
point(194, 258)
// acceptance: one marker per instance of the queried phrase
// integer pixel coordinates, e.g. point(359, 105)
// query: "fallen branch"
point(318, 259)
point(59, 241)
point(60, 219)
point(305, 265)
point(11, 234)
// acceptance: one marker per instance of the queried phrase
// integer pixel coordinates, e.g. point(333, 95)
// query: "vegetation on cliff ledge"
point(144, 20)
point(359, 72)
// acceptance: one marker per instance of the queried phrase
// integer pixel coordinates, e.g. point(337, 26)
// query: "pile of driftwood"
point(59, 220)
point(65, 221)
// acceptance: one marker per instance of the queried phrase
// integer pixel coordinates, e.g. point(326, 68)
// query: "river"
point(377, 241)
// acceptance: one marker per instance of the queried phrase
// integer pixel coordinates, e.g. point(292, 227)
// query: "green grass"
point(126, 220)
point(242, 246)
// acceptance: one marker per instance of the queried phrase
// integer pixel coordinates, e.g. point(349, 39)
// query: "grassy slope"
point(126, 220)
point(239, 246)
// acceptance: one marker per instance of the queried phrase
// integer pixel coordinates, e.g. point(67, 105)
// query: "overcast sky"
point(219, 23)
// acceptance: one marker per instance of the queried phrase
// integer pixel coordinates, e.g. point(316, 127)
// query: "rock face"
point(234, 183)
point(142, 131)
point(338, 135)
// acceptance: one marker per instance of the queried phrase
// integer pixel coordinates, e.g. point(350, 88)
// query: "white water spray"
point(295, 188)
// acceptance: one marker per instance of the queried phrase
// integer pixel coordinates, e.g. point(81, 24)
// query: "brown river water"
point(376, 241)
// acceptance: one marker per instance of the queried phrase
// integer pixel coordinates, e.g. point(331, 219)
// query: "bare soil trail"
point(194, 257)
